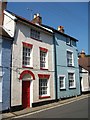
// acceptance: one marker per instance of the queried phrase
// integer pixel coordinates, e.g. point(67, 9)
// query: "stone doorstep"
point(29, 110)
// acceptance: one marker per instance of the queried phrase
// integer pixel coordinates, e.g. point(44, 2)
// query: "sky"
point(72, 15)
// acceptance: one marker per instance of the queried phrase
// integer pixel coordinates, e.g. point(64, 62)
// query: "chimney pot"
point(37, 19)
point(38, 14)
point(61, 29)
point(35, 16)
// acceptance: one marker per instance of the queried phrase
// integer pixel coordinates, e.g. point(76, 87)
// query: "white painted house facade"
point(84, 70)
point(32, 74)
point(85, 79)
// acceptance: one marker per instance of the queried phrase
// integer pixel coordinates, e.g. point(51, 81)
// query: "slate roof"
point(84, 62)
point(42, 26)
point(29, 22)
point(60, 32)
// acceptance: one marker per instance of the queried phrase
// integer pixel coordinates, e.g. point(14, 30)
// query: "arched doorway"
point(26, 77)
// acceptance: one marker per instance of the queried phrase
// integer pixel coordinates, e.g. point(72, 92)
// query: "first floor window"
point(27, 55)
point(42, 59)
point(71, 78)
point(69, 58)
point(62, 82)
point(43, 87)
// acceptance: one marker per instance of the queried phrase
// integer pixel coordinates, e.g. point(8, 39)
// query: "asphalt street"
point(76, 109)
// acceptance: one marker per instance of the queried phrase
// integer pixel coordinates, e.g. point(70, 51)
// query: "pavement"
point(10, 115)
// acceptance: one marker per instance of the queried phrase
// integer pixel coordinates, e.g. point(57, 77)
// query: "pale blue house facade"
point(66, 66)
point(5, 68)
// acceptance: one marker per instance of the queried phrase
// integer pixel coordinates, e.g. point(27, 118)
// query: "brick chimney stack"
point(3, 6)
point(82, 54)
point(37, 19)
point(61, 29)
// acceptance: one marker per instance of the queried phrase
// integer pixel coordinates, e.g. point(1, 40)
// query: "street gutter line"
point(68, 102)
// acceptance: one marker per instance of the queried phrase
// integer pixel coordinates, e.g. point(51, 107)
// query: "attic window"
point(68, 41)
point(35, 34)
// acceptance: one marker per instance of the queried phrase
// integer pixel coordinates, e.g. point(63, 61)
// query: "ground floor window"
point(62, 82)
point(71, 78)
point(43, 87)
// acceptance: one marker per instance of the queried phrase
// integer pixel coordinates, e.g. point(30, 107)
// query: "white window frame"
point(64, 87)
point(1, 40)
point(46, 60)
point(0, 88)
point(35, 34)
point(48, 93)
point(72, 58)
point(30, 57)
point(74, 83)
point(69, 41)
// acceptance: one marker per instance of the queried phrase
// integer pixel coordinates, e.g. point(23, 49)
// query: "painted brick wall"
point(23, 35)
point(62, 69)
point(6, 58)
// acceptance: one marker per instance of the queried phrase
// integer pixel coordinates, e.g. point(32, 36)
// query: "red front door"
point(25, 94)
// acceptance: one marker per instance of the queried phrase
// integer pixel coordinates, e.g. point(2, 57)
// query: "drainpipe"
point(55, 63)
point(11, 71)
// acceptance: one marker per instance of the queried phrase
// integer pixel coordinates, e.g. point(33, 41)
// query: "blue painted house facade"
point(5, 64)
point(66, 65)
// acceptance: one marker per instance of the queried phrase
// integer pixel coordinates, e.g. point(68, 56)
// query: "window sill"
point(69, 44)
point(43, 97)
point(43, 69)
point(27, 67)
point(36, 39)
point(72, 87)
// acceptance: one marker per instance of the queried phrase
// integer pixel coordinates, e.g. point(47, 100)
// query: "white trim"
point(31, 93)
point(10, 15)
point(31, 57)
point(61, 76)
point(1, 40)
point(46, 59)
point(69, 50)
point(71, 71)
point(48, 88)
point(44, 28)
point(72, 56)
point(0, 89)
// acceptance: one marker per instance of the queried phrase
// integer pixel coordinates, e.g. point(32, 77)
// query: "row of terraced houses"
point(38, 64)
